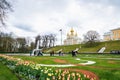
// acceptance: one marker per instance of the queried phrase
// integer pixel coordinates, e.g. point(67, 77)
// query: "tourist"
point(52, 53)
point(30, 53)
point(34, 53)
point(60, 53)
point(74, 53)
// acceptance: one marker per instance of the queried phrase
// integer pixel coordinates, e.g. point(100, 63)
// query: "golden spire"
point(72, 31)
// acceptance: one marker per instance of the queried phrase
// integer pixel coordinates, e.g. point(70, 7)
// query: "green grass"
point(6, 74)
point(66, 48)
point(110, 45)
point(50, 60)
point(107, 66)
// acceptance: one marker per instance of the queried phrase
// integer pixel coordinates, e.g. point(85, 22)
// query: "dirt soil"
point(60, 61)
point(112, 62)
point(88, 74)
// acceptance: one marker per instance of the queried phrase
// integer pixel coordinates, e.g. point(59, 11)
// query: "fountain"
point(102, 50)
point(58, 50)
point(36, 50)
point(76, 49)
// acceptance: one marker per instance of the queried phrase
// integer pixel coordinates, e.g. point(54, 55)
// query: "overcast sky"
point(33, 17)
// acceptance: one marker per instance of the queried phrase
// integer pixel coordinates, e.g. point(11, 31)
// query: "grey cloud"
point(24, 8)
point(24, 27)
point(105, 2)
point(115, 2)
point(43, 5)
point(54, 4)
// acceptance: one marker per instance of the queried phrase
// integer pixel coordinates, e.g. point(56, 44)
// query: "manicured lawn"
point(107, 66)
point(6, 74)
point(51, 60)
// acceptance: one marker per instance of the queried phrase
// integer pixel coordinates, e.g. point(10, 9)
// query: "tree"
point(52, 38)
point(7, 42)
point(45, 41)
point(5, 7)
point(32, 45)
point(91, 37)
point(22, 44)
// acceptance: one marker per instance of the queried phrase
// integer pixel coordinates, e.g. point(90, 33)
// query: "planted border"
point(27, 70)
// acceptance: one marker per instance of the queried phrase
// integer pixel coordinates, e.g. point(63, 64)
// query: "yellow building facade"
point(72, 38)
point(116, 34)
point(112, 35)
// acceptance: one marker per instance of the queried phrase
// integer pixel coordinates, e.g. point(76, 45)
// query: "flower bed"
point(27, 70)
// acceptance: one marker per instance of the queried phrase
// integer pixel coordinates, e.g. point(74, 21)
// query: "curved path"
point(68, 65)
point(87, 63)
point(57, 65)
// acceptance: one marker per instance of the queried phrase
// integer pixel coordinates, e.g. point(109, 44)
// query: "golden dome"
point(71, 30)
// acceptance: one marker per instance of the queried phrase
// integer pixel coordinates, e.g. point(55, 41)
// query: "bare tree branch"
point(91, 37)
point(5, 7)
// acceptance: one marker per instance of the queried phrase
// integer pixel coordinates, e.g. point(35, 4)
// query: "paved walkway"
point(32, 54)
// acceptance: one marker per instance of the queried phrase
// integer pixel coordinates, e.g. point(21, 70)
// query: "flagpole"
point(61, 35)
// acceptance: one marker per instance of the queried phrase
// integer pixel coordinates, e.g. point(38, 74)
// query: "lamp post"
point(61, 35)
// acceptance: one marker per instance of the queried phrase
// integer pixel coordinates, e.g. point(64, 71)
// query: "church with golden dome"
point(72, 38)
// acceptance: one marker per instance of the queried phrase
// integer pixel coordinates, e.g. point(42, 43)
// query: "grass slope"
point(6, 74)
point(110, 45)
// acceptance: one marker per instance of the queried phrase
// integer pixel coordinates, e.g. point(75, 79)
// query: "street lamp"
point(61, 35)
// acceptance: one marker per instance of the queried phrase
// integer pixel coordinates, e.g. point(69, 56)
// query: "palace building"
point(114, 34)
point(72, 38)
